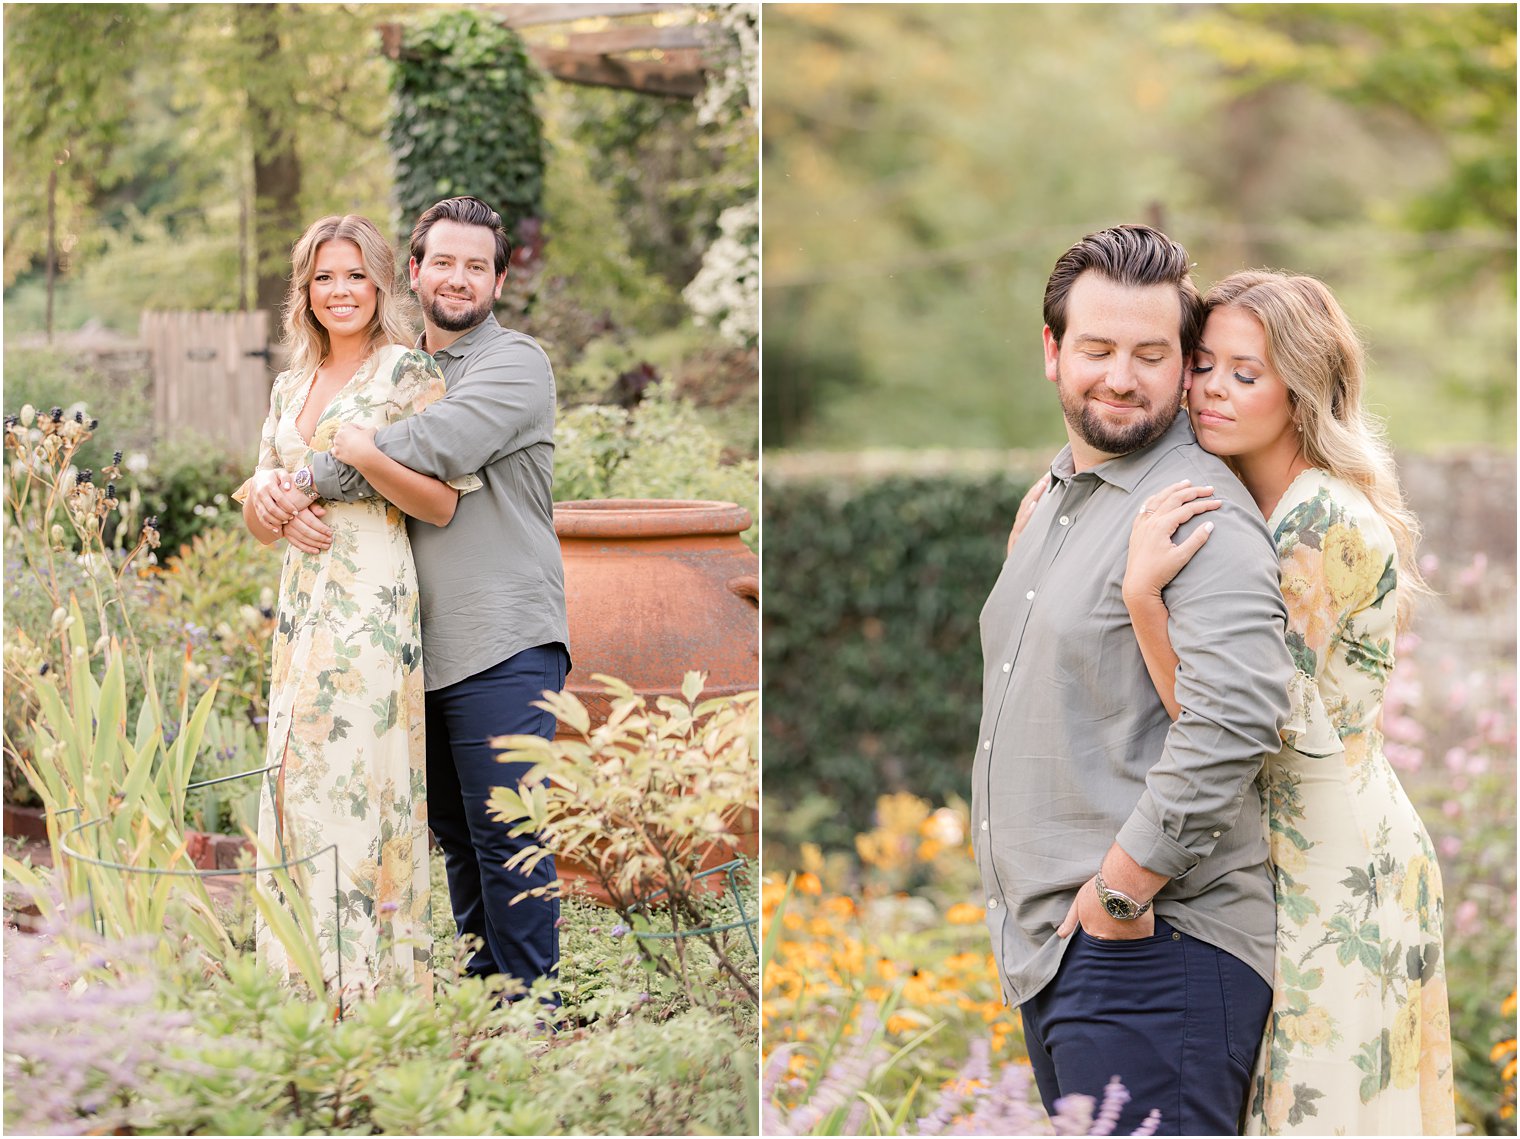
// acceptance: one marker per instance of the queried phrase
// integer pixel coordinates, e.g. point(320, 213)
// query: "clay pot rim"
point(648, 518)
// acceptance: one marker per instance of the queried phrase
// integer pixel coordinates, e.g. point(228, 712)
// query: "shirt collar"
point(469, 342)
point(1126, 471)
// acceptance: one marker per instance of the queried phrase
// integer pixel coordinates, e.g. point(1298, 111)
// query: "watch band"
point(305, 482)
point(1119, 906)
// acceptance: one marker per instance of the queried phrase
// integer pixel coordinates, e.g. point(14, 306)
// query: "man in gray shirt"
point(1124, 856)
point(494, 633)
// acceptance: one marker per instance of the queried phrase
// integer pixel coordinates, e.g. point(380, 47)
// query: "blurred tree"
point(67, 99)
point(1446, 70)
point(925, 165)
point(176, 111)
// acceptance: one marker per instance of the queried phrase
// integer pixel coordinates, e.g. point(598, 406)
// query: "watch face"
point(1116, 908)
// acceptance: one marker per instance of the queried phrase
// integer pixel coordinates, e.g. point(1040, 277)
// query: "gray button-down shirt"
point(491, 581)
point(1076, 749)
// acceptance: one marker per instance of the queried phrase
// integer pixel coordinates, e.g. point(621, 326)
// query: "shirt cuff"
point(324, 476)
point(1153, 848)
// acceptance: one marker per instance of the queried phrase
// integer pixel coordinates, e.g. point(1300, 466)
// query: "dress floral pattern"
point(346, 700)
point(1359, 1038)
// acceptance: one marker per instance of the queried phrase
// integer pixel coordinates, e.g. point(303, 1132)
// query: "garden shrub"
point(660, 449)
point(871, 651)
point(647, 801)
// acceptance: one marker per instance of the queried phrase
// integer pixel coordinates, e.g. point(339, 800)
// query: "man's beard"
point(1126, 438)
point(457, 321)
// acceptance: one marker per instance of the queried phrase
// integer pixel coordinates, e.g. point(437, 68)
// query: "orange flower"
point(808, 883)
point(964, 913)
point(1310, 611)
point(839, 906)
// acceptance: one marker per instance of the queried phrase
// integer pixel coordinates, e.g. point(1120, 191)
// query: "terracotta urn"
point(655, 588)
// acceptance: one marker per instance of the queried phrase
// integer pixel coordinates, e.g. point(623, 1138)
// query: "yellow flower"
point(1351, 570)
point(964, 913)
point(1286, 855)
point(1314, 1026)
point(808, 883)
point(1415, 896)
point(902, 812)
point(1404, 1043)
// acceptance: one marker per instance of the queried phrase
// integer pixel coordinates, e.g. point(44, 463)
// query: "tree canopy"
point(925, 165)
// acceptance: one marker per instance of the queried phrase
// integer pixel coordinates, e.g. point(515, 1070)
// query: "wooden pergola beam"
point(597, 59)
point(529, 15)
point(641, 38)
point(651, 77)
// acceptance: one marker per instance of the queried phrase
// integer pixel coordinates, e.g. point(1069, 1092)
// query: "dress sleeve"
point(1332, 569)
point(269, 457)
point(418, 383)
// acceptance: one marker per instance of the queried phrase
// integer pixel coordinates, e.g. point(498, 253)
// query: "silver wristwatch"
point(1120, 907)
point(303, 483)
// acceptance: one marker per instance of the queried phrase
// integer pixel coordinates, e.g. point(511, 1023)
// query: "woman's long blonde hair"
point(1312, 346)
point(306, 339)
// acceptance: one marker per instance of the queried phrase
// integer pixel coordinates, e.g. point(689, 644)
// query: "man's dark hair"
point(1127, 255)
point(466, 211)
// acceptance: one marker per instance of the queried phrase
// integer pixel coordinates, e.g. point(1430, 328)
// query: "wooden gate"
point(211, 374)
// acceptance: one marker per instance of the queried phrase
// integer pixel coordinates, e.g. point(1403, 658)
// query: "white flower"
point(726, 290)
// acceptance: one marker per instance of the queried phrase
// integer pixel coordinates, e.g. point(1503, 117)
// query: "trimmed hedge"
point(872, 656)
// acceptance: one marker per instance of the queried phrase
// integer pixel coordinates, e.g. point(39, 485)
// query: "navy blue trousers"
point(1175, 1018)
point(519, 940)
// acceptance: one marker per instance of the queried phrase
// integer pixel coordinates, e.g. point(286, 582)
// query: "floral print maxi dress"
point(346, 701)
point(1359, 1038)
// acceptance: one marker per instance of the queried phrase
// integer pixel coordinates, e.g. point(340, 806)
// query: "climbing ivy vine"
point(464, 120)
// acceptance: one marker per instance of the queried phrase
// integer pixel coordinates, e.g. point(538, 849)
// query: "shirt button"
point(1029, 596)
point(1007, 666)
point(986, 745)
point(984, 824)
point(1218, 833)
point(1065, 520)
point(992, 903)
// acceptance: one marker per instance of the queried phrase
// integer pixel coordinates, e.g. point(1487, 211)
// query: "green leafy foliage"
point(648, 800)
point(920, 182)
point(660, 449)
point(464, 119)
point(871, 654)
point(205, 614)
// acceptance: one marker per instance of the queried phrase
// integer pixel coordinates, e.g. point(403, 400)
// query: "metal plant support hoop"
point(160, 872)
point(730, 871)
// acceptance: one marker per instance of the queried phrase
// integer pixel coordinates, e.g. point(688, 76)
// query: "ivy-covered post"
point(463, 122)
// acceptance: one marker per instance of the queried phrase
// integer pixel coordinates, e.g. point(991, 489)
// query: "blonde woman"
point(346, 687)
point(1359, 1040)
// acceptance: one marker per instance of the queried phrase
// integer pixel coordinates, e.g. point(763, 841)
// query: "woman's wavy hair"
point(306, 339)
point(1313, 347)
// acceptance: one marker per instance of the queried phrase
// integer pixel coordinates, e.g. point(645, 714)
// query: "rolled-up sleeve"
point(500, 399)
point(1227, 623)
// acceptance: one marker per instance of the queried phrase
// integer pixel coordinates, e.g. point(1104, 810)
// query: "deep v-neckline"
point(295, 420)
